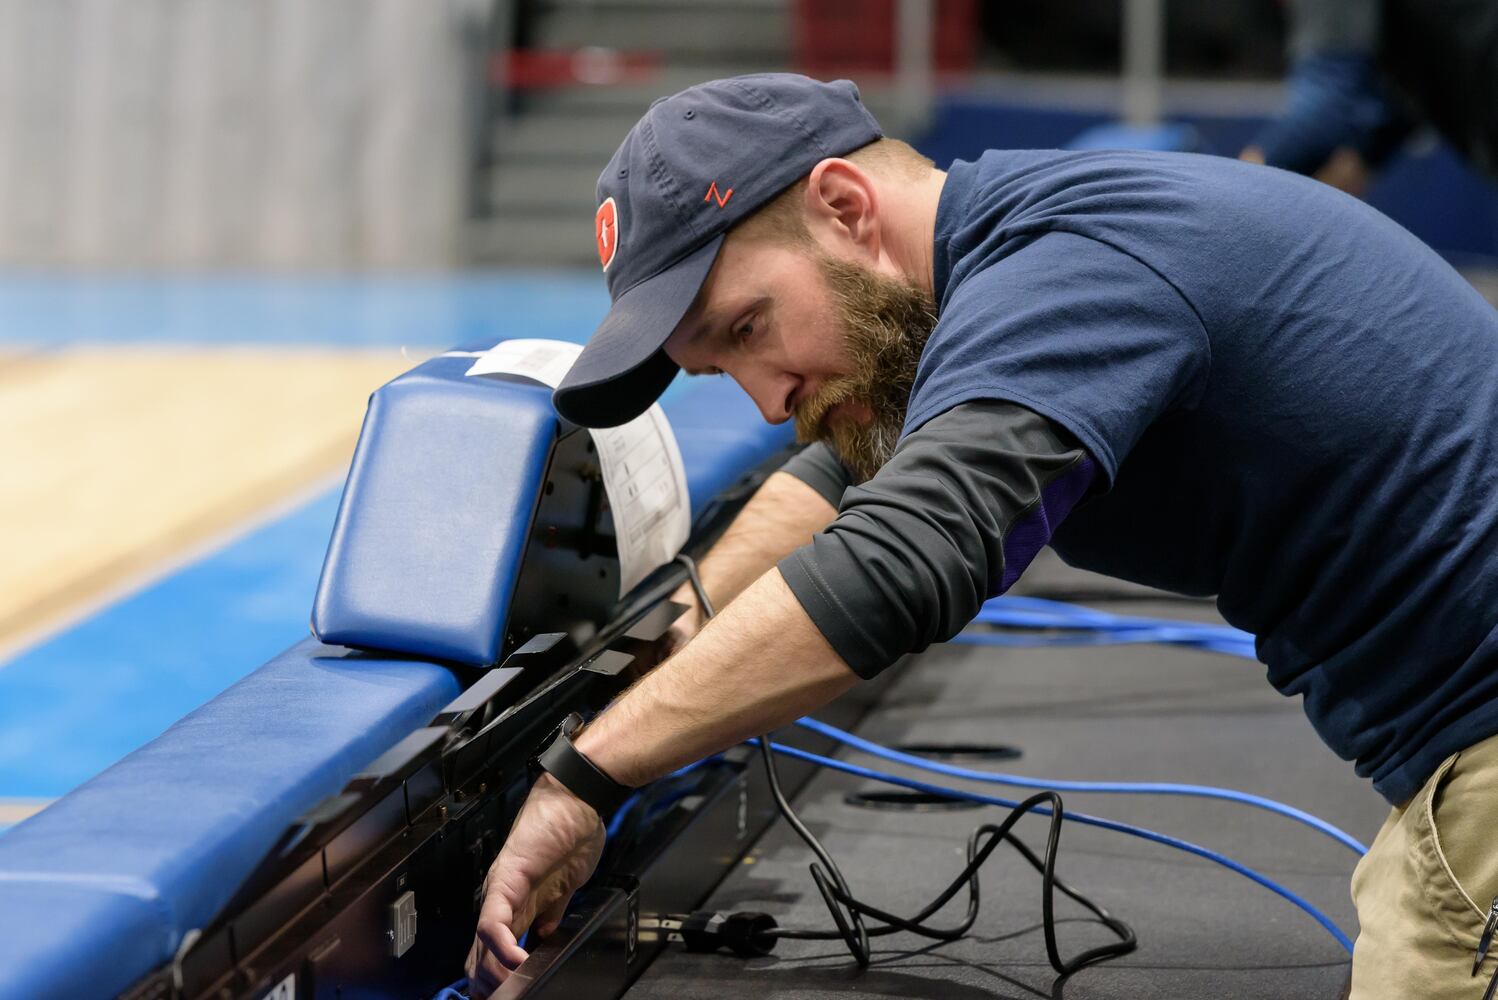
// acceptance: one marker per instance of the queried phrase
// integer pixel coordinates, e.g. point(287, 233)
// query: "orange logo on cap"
point(720, 197)
point(606, 232)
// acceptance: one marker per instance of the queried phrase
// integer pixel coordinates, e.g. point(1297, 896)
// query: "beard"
point(885, 324)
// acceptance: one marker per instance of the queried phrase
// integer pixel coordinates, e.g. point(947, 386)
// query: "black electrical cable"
point(848, 911)
point(850, 923)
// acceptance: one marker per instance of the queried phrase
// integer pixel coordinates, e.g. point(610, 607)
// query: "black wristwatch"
point(564, 762)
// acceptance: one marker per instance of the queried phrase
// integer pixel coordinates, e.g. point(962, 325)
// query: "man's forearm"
point(781, 517)
point(759, 665)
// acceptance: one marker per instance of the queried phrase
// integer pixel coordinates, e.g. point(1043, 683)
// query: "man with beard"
point(1186, 371)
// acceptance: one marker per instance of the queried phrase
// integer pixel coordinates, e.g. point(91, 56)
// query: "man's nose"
point(773, 392)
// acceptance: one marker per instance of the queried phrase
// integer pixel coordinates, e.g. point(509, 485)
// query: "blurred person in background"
point(1365, 74)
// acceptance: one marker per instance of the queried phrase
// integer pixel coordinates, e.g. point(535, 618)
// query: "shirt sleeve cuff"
point(803, 575)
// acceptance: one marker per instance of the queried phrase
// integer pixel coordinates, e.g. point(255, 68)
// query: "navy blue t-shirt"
point(1294, 405)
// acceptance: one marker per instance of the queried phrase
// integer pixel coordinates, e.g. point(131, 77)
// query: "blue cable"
point(1126, 787)
point(1100, 638)
point(1039, 612)
point(620, 815)
point(628, 805)
point(1034, 612)
point(1106, 824)
point(1091, 627)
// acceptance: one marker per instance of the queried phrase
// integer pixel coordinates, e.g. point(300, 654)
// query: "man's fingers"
point(475, 952)
point(551, 899)
point(491, 964)
point(550, 918)
point(552, 847)
point(484, 981)
point(1346, 170)
point(499, 941)
point(500, 923)
point(494, 970)
point(485, 971)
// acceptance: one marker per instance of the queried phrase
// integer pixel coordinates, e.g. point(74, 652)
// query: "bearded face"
point(885, 324)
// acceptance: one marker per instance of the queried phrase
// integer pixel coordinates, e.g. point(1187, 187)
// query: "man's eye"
point(745, 330)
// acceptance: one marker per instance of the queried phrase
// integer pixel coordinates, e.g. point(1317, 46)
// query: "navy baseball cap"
point(698, 162)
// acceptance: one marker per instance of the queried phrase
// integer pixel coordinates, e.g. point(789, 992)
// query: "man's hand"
point(759, 665)
point(551, 851)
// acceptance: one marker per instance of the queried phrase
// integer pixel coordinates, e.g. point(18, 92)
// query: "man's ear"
point(842, 209)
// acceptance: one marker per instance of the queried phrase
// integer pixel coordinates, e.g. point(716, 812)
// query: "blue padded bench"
point(101, 887)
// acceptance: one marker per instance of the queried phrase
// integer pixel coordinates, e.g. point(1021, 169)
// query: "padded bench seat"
point(100, 887)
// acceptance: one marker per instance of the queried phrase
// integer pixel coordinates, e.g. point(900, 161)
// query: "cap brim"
point(622, 368)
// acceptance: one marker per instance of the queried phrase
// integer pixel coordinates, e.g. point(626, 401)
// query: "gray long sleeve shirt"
point(951, 520)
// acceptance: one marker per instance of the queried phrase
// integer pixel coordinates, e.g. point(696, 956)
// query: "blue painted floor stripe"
point(76, 703)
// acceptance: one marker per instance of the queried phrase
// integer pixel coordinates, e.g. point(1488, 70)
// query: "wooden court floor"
point(123, 460)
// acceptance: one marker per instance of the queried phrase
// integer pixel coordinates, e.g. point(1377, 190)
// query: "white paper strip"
point(641, 464)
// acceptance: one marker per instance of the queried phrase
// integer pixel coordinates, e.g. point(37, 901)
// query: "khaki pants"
point(1423, 890)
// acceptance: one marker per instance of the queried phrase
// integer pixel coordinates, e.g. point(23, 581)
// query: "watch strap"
point(578, 774)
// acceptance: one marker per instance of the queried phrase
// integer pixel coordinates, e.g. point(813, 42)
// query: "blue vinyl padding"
point(114, 873)
point(435, 515)
point(72, 939)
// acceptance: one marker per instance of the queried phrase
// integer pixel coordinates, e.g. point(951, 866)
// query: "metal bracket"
point(608, 663)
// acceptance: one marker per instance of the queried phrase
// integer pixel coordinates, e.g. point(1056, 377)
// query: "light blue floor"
point(435, 310)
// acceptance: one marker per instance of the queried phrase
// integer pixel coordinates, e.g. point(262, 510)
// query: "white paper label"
point(641, 464)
